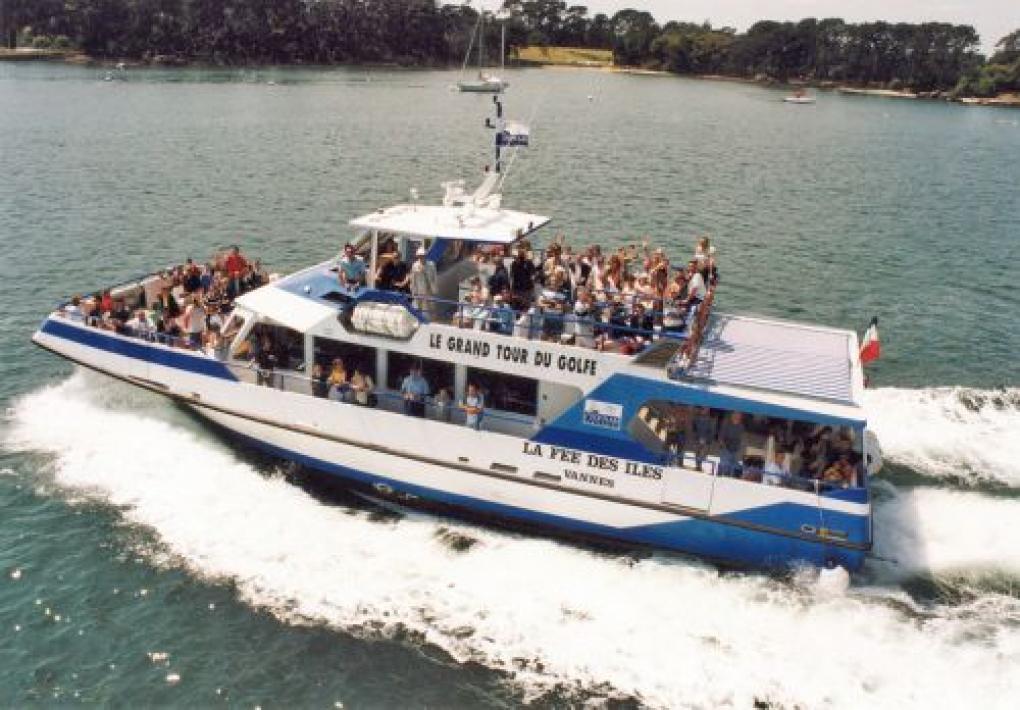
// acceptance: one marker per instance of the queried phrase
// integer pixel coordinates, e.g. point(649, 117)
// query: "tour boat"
point(574, 440)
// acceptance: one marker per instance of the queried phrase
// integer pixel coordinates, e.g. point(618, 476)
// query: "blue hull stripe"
point(137, 350)
point(694, 536)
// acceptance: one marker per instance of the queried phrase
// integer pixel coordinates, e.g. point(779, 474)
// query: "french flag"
point(871, 348)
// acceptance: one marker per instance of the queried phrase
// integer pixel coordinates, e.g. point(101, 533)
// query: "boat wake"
point(954, 433)
point(555, 618)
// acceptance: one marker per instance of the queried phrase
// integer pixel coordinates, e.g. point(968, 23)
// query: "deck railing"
point(384, 398)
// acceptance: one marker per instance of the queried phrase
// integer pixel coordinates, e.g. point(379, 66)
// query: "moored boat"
point(799, 97)
point(485, 82)
point(582, 409)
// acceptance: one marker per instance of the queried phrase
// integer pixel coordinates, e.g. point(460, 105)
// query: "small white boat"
point(485, 83)
point(799, 98)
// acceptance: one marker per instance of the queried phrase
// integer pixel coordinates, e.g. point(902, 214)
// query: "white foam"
point(950, 431)
point(944, 531)
point(672, 633)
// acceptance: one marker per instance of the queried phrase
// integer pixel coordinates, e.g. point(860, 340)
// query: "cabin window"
point(286, 346)
point(506, 393)
point(455, 250)
point(439, 374)
point(354, 356)
point(772, 450)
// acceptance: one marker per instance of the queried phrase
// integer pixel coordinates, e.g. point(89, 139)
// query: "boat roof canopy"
point(783, 357)
point(294, 311)
point(466, 222)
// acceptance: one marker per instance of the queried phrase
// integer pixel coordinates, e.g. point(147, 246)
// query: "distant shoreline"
point(1011, 100)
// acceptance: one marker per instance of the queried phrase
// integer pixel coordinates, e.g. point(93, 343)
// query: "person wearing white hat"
point(423, 281)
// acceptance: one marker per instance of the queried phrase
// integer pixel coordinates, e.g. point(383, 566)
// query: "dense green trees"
point(1000, 75)
point(928, 56)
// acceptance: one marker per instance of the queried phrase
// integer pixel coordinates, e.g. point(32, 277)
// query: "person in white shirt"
point(697, 290)
point(423, 282)
point(139, 324)
point(73, 309)
point(775, 470)
point(194, 321)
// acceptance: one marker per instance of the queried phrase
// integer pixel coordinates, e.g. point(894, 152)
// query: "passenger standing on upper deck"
point(499, 282)
point(697, 290)
point(522, 279)
point(351, 269)
point(73, 309)
point(236, 266)
point(194, 320)
point(414, 388)
point(423, 282)
point(731, 436)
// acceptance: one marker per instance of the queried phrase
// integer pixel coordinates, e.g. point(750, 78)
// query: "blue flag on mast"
point(513, 135)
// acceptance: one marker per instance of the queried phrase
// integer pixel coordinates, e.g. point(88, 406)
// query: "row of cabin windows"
point(503, 392)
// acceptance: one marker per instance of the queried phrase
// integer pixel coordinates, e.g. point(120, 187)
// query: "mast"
point(502, 49)
point(481, 40)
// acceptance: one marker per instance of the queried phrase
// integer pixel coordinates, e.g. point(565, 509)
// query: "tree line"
point(930, 56)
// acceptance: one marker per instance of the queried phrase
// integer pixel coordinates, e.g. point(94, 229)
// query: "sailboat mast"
point(502, 48)
point(481, 41)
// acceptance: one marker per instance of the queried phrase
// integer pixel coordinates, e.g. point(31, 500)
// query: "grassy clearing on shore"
point(571, 56)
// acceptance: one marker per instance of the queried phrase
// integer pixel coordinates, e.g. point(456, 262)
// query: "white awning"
point(480, 224)
point(285, 308)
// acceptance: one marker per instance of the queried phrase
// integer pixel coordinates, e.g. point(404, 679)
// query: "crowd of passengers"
point(791, 451)
point(186, 305)
point(625, 295)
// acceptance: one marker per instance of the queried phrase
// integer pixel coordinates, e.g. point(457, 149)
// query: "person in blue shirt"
point(351, 269)
point(414, 388)
point(473, 406)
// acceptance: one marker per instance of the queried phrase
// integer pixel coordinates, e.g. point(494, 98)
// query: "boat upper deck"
point(472, 223)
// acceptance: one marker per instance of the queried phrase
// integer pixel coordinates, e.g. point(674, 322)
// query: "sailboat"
point(485, 83)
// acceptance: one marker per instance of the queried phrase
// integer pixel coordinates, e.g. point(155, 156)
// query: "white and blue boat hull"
point(486, 474)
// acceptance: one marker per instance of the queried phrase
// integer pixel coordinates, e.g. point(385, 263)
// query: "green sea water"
point(146, 559)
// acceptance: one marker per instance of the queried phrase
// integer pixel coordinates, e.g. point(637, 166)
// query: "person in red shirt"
point(236, 266)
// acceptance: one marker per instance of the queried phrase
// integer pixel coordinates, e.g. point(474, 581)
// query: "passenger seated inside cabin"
point(362, 387)
point(339, 388)
point(265, 360)
point(443, 404)
point(841, 472)
point(731, 440)
point(703, 430)
point(320, 383)
point(473, 406)
point(414, 389)
point(775, 471)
